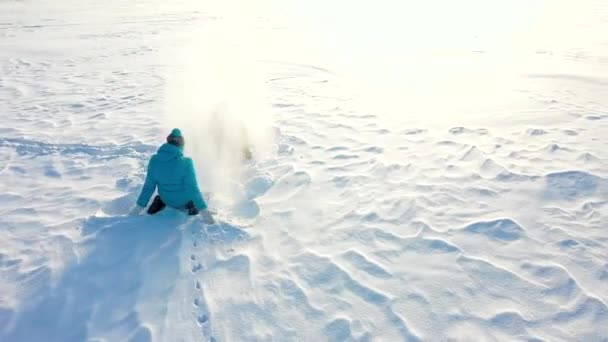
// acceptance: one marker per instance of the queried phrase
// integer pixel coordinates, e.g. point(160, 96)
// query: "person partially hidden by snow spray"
point(175, 178)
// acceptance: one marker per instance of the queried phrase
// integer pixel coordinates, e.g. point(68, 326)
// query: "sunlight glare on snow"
point(432, 60)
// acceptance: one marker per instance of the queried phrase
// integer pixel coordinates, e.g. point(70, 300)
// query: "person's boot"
point(156, 206)
point(191, 208)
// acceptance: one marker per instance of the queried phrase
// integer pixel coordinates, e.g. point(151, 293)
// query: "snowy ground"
point(438, 171)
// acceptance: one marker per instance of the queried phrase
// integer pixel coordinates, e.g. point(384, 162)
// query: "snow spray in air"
point(216, 96)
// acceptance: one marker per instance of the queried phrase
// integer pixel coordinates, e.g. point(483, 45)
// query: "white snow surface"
point(423, 170)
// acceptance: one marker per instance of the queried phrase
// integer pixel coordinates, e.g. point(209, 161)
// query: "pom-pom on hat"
point(176, 133)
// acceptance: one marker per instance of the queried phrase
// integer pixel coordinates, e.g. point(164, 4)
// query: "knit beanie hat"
point(176, 138)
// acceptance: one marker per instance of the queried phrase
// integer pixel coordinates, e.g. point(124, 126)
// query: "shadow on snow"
point(126, 267)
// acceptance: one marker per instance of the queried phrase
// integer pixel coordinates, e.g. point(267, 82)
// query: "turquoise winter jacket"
point(175, 178)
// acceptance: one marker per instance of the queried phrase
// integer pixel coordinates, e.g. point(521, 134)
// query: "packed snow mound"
point(502, 229)
point(575, 184)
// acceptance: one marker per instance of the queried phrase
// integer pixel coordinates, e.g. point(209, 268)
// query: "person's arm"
point(149, 186)
point(192, 186)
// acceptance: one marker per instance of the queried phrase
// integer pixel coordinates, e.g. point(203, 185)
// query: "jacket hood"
point(167, 152)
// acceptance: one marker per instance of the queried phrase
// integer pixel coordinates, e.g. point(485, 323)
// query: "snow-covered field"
point(424, 170)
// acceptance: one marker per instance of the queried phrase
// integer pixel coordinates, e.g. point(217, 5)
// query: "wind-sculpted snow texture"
point(356, 227)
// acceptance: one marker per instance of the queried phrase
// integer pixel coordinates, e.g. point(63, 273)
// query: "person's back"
point(175, 178)
point(168, 167)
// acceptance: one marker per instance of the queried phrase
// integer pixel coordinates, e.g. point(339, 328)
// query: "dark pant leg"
point(191, 208)
point(156, 206)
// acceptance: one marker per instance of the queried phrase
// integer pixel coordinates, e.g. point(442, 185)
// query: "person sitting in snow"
point(175, 178)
